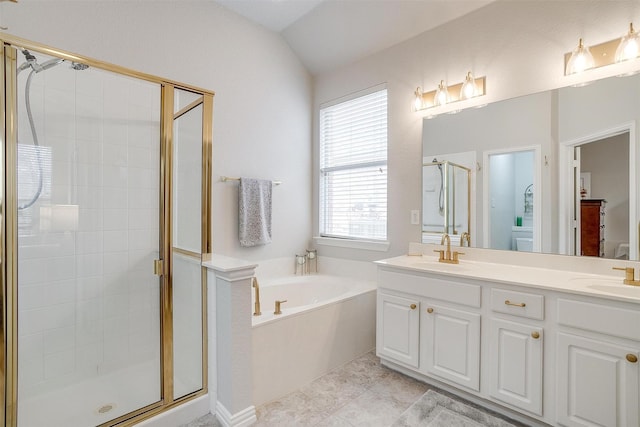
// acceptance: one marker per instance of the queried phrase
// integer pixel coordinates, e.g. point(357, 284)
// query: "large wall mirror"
point(551, 172)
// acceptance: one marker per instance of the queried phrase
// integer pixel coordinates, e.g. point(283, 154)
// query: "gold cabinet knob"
point(413, 306)
point(632, 358)
point(429, 310)
point(535, 335)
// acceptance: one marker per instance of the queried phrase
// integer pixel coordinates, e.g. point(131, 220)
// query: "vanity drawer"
point(605, 319)
point(517, 303)
point(431, 287)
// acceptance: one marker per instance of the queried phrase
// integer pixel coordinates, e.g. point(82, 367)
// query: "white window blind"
point(353, 168)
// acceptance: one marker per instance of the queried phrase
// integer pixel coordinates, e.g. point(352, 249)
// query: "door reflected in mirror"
point(510, 201)
point(602, 195)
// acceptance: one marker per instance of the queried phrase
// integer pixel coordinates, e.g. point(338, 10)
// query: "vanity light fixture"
point(443, 95)
point(581, 59)
point(417, 103)
point(614, 51)
point(468, 89)
point(629, 47)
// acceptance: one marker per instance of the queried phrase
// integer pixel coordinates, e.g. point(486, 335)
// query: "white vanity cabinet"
point(450, 344)
point(398, 321)
point(598, 378)
point(442, 332)
point(516, 349)
point(527, 342)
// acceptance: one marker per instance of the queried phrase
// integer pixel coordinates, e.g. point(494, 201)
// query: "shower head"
point(32, 62)
point(79, 66)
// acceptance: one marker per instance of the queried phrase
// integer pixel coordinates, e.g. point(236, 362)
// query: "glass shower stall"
point(446, 198)
point(105, 223)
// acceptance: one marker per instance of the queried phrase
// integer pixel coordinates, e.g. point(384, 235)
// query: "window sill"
point(369, 245)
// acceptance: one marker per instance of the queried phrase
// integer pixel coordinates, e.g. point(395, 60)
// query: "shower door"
point(103, 291)
point(88, 163)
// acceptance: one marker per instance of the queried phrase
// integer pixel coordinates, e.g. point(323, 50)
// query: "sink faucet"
point(465, 236)
point(446, 255)
point(256, 305)
point(629, 276)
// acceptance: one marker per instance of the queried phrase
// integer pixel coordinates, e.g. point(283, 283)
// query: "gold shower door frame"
point(9, 240)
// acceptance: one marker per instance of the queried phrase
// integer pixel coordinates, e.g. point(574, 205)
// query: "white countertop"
point(604, 286)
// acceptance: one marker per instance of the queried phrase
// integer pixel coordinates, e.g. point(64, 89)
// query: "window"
point(353, 168)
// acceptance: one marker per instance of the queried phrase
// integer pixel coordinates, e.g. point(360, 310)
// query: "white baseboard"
point(243, 418)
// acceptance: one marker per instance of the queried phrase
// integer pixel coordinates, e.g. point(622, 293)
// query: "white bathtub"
point(326, 322)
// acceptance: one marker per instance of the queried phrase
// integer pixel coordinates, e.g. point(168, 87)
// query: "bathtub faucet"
point(256, 305)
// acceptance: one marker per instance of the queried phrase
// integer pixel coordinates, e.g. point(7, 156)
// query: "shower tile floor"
point(360, 393)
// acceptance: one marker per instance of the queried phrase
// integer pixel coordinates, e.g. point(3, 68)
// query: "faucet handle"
point(455, 256)
point(277, 307)
point(629, 274)
point(441, 252)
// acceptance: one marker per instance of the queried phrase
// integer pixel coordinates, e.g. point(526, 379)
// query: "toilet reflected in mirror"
point(511, 211)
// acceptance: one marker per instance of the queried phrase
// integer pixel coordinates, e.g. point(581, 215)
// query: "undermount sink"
point(610, 286)
point(597, 281)
point(443, 266)
point(622, 290)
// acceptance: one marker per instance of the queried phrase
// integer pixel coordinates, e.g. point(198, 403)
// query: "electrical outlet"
point(415, 217)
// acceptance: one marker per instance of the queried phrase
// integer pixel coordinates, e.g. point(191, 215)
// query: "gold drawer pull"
point(632, 358)
point(535, 335)
point(429, 310)
point(521, 304)
point(413, 306)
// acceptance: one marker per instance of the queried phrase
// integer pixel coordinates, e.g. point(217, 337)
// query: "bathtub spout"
point(256, 305)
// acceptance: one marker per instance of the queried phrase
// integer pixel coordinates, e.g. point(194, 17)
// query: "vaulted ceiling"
point(327, 34)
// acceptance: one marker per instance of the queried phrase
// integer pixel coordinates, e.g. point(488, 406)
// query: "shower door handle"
point(158, 267)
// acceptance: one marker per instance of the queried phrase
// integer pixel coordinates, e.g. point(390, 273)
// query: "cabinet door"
point(597, 383)
point(450, 341)
point(516, 364)
point(397, 328)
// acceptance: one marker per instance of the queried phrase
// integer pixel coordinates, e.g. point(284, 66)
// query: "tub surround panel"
point(212, 372)
point(233, 345)
point(293, 351)
point(282, 267)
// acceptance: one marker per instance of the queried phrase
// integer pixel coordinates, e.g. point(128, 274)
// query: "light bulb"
point(581, 60)
point(442, 94)
point(468, 89)
point(417, 103)
point(629, 46)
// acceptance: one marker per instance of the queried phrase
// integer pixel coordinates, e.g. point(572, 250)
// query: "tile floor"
point(360, 393)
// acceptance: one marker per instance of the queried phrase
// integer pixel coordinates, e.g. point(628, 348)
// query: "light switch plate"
point(415, 217)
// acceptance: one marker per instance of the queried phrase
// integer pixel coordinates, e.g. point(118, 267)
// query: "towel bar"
point(230, 178)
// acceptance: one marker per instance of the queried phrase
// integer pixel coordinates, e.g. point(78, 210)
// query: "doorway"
point(600, 168)
point(511, 199)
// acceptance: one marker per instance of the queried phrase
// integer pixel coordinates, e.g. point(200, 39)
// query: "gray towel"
point(254, 213)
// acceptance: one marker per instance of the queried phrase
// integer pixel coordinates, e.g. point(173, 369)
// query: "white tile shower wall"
point(87, 302)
